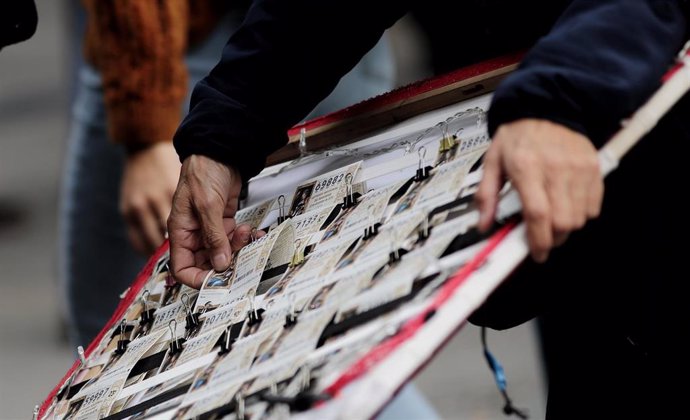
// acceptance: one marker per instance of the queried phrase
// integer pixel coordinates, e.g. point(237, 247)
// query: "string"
point(500, 378)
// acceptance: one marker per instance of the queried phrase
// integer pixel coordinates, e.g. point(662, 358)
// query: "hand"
point(201, 226)
point(556, 173)
point(148, 184)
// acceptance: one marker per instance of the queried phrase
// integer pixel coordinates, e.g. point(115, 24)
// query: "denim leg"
point(97, 262)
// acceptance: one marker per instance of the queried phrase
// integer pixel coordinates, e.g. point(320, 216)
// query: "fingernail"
point(220, 261)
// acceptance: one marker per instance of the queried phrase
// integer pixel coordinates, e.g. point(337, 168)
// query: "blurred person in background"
point(142, 58)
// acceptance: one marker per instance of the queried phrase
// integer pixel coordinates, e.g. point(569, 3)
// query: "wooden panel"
point(352, 124)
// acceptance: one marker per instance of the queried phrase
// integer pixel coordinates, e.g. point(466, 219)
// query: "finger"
point(163, 208)
point(578, 194)
point(202, 260)
point(595, 196)
point(150, 228)
point(136, 239)
point(558, 190)
point(192, 276)
point(490, 185)
point(183, 259)
point(213, 233)
point(560, 238)
point(536, 213)
point(184, 231)
point(132, 211)
point(240, 237)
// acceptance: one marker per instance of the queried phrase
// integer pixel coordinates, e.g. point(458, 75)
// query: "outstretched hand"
point(201, 227)
point(146, 191)
point(556, 173)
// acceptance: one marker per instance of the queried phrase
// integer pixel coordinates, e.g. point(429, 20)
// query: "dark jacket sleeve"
point(600, 62)
point(283, 60)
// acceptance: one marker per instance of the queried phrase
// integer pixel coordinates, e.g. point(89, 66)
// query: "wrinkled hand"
point(556, 173)
point(147, 188)
point(201, 226)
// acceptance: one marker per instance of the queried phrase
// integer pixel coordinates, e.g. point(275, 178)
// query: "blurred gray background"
point(35, 94)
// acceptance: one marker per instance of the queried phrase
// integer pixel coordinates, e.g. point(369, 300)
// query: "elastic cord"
point(500, 378)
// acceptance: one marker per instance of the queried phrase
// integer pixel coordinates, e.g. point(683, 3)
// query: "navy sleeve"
point(600, 62)
point(283, 60)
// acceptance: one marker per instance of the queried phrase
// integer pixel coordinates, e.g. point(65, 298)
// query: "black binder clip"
point(396, 253)
point(422, 171)
point(122, 341)
point(192, 319)
point(305, 398)
point(291, 317)
point(226, 342)
point(176, 344)
point(349, 200)
point(425, 231)
point(254, 316)
point(147, 314)
point(239, 406)
point(281, 209)
point(371, 231)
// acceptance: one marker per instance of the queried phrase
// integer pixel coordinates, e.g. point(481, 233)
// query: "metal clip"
point(422, 171)
point(226, 342)
point(176, 344)
point(371, 231)
point(424, 231)
point(349, 199)
point(291, 317)
point(147, 314)
point(192, 319)
point(239, 406)
point(297, 257)
point(281, 209)
point(122, 342)
point(447, 141)
point(302, 146)
point(253, 315)
point(82, 357)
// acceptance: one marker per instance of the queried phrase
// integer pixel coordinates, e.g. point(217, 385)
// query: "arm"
point(138, 47)
point(285, 58)
point(599, 63)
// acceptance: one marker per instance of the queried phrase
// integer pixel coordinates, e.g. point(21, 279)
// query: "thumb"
point(487, 192)
point(213, 234)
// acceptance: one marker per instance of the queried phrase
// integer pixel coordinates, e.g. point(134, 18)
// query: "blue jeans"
point(97, 262)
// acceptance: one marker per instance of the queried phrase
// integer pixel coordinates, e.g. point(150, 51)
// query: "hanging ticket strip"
point(349, 293)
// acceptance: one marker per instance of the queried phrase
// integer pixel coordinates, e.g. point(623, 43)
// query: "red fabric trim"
point(125, 302)
point(672, 72)
point(679, 65)
point(408, 91)
point(410, 328)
